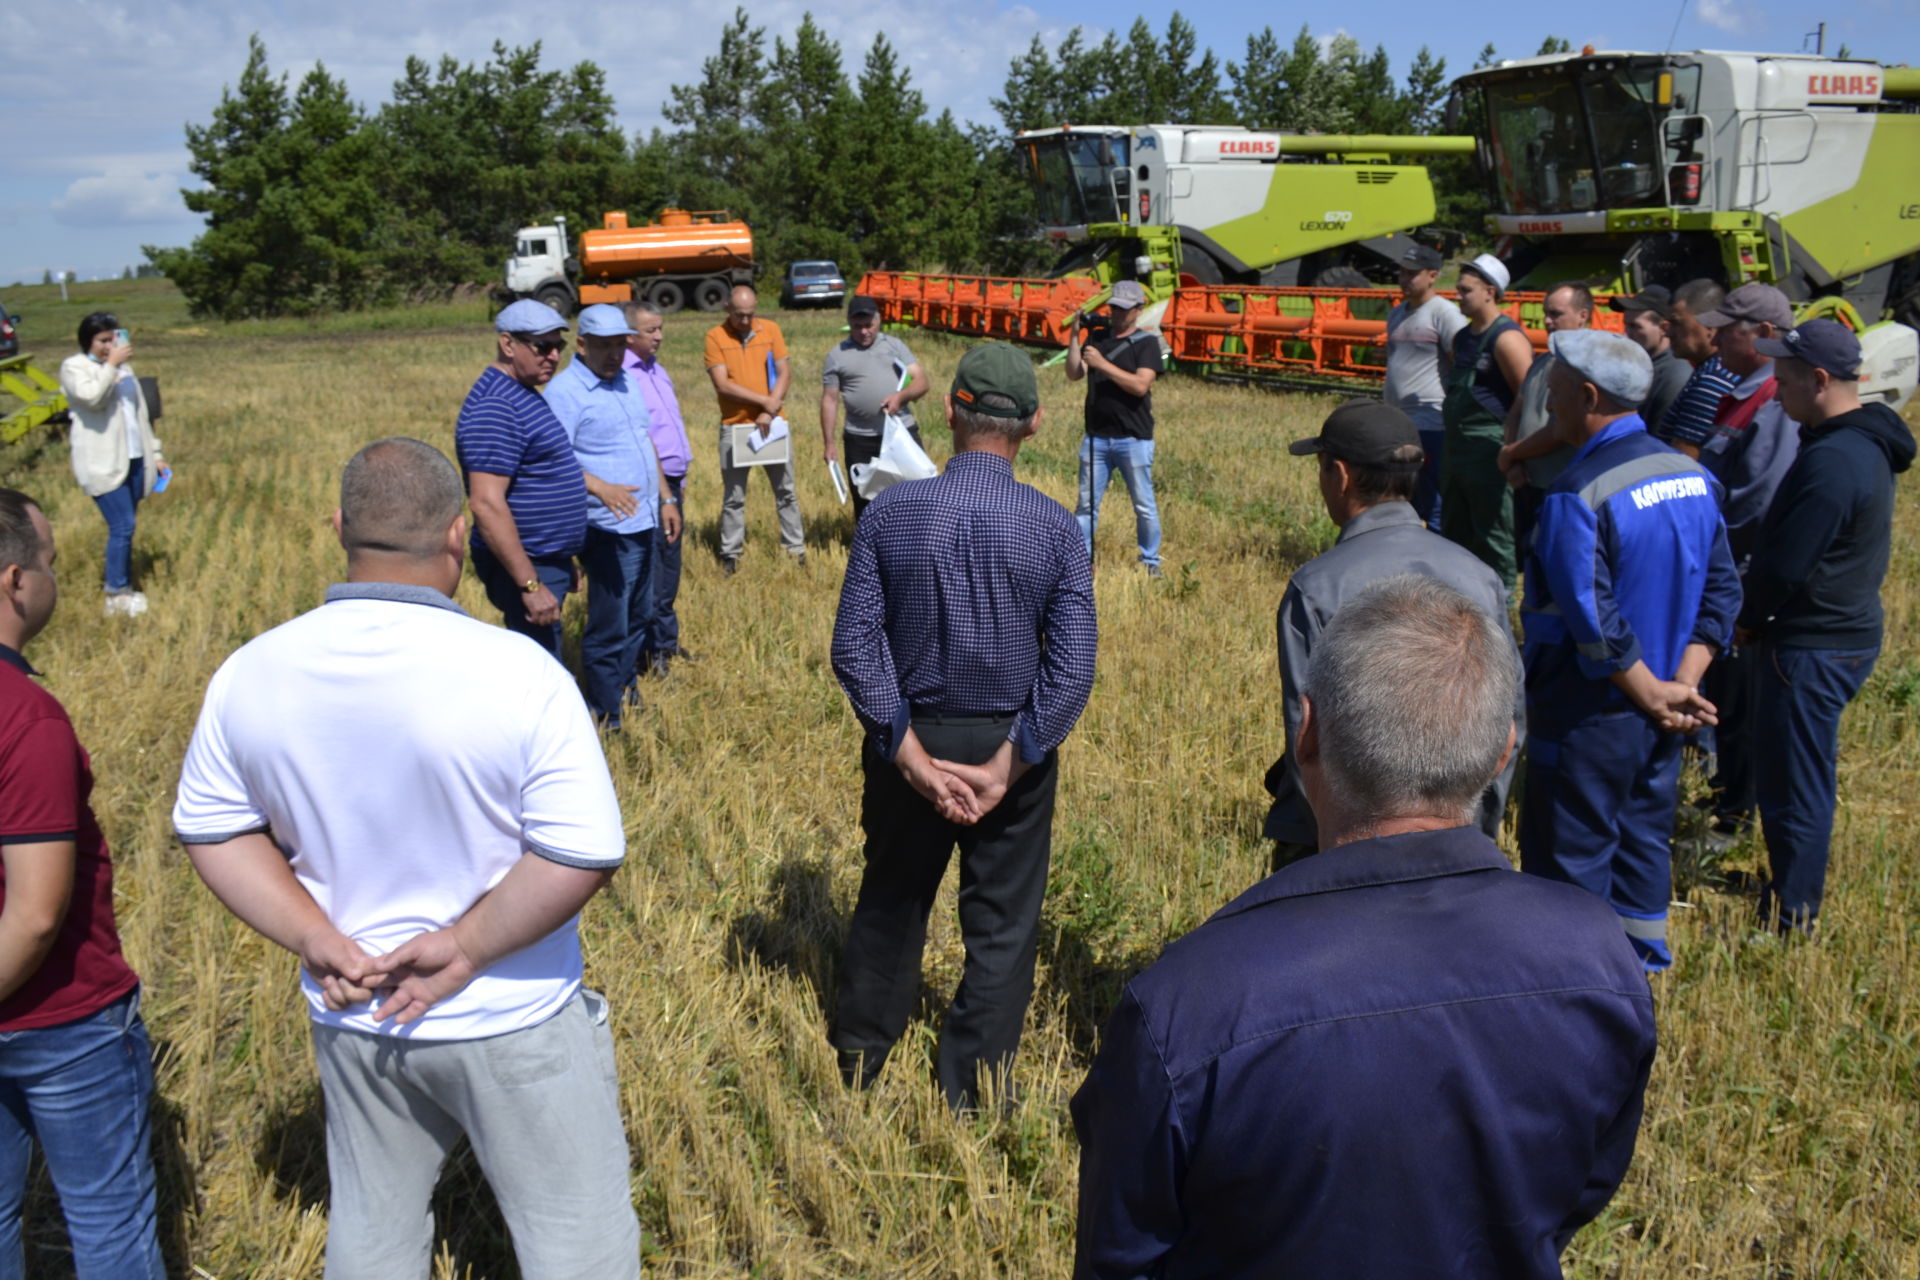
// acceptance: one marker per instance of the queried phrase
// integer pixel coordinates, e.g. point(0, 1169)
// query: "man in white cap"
point(604, 414)
point(1490, 360)
point(1119, 368)
point(529, 500)
point(1631, 591)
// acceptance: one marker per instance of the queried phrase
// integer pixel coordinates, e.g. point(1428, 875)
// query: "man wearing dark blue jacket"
point(1395, 1057)
point(1631, 590)
point(1813, 600)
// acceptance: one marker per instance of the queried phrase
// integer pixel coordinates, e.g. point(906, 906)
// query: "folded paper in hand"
point(899, 459)
point(777, 430)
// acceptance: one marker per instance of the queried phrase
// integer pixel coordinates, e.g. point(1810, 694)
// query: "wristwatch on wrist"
point(672, 502)
point(530, 586)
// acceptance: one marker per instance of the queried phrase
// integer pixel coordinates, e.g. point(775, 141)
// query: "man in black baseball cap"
point(1812, 602)
point(1370, 459)
point(1649, 323)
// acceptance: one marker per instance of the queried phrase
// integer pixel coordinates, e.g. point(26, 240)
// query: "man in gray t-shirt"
point(872, 374)
point(1420, 333)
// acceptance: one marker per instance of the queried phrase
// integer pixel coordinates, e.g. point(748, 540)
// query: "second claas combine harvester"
point(1619, 170)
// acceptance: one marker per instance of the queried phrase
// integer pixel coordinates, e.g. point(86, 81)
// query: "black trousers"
point(1003, 880)
point(855, 448)
point(1731, 684)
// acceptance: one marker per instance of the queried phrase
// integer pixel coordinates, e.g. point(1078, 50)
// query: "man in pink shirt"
point(669, 434)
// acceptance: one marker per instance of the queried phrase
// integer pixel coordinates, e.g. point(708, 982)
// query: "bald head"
point(398, 497)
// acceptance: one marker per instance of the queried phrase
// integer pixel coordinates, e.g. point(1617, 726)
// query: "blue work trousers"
point(82, 1089)
point(1426, 487)
point(119, 506)
point(1799, 696)
point(619, 617)
point(1103, 457)
point(1597, 811)
point(663, 629)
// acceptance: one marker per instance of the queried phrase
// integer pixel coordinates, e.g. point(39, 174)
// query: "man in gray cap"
point(1370, 459)
point(528, 497)
point(1748, 449)
point(1119, 368)
point(604, 414)
point(1630, 593)
point(875, 376)
point(1420, 331)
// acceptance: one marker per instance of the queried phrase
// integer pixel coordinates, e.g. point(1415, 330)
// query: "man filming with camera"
point(1119, 362)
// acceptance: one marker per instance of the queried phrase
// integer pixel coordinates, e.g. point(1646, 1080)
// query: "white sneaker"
point(126, 604)
point(136, 603)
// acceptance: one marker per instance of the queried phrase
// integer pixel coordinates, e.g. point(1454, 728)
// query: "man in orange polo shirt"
point(747, 360)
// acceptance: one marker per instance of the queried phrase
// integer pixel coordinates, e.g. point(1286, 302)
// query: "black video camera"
point(1093, 328)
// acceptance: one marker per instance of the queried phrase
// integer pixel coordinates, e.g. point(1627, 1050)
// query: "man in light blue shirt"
point(605, 416)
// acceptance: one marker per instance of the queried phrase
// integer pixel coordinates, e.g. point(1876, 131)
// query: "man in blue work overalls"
point(1631, 591)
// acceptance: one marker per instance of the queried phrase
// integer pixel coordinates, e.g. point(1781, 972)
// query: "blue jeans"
point(118, 506)
point(1100, 458)
point(663, 632)
point(82, 1089)
point(1426, 487)
point(1799, 696)
point(1597, 811)
point(556, 575)
point(619, 617)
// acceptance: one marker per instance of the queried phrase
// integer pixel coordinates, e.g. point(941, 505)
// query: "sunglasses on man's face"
point(541, 346)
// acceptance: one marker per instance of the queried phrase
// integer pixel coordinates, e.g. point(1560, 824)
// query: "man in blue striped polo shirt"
point(528, 496)
point(965, 641)
point(1631, 591)
point(605, 414)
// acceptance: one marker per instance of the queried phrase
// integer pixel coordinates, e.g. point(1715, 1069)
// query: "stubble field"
point(1781, 1130)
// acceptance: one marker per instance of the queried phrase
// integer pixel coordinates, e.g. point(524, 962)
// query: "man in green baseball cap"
point(950, 584)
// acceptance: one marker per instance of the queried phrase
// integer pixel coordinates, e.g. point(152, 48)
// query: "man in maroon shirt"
point(76, 1071)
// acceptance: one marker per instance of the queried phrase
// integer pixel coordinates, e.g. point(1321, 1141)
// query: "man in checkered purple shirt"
point(965, 641)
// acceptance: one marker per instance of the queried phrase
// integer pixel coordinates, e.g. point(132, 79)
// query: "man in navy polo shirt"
point(528, 496)
point(605, 415)
point(1395, 1057)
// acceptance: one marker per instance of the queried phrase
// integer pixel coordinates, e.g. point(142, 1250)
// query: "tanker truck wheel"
point(667, 297)
point(559, 298)
point(711, 295)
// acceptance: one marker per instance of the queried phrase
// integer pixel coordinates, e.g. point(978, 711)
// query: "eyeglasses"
point(541, 346)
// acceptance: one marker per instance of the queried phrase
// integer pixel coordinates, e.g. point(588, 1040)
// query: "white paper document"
point(776, 431)
point(839, 481)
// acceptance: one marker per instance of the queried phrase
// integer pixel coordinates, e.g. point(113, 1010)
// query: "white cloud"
point(1723, 14)
point(120, 198)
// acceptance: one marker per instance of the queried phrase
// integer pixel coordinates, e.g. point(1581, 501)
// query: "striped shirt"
point(969, 593)
point(506, 429)
point(1689, 420)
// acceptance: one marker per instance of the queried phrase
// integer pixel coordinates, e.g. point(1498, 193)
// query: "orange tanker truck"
point(680, 259)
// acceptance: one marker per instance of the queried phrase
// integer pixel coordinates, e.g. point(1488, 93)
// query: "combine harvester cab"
point(1630, 169)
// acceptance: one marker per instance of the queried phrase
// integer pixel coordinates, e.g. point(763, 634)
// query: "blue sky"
point(96, 94)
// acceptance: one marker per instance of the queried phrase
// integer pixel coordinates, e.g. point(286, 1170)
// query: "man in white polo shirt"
point(415, 804)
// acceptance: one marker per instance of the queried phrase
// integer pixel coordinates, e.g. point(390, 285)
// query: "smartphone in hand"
point(120, 338)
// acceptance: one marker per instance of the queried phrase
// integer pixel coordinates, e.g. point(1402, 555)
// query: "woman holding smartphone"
point(116, 458)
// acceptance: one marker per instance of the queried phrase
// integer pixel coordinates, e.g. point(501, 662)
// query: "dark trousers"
point(1730, 686)
point(663, 635)
point(1426, 486)
point(619, 617)
point(864, 449)
point(1800, 694)
point(1597, 811)
point(1476, 503)
point(504, 594)
point(1003, 879)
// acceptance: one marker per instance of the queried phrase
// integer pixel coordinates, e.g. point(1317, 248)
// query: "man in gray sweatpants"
point(415, 803)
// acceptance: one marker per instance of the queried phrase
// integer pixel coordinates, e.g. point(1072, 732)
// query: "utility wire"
point(1672, 35)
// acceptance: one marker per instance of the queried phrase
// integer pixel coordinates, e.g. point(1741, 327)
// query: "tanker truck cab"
point(539, 267)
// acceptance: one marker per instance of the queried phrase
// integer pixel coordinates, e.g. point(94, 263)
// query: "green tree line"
point(313, 202)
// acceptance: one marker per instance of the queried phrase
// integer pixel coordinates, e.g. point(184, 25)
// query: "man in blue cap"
point(1813, 600)
point(1631, 591)
point(605, 415)
point(528, 497)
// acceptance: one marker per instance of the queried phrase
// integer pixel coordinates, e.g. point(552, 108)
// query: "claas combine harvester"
point(1615, 169)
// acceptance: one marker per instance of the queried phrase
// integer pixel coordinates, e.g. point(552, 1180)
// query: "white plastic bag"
point(900, 459)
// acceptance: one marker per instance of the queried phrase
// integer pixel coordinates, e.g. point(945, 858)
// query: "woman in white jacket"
point(116, 458)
